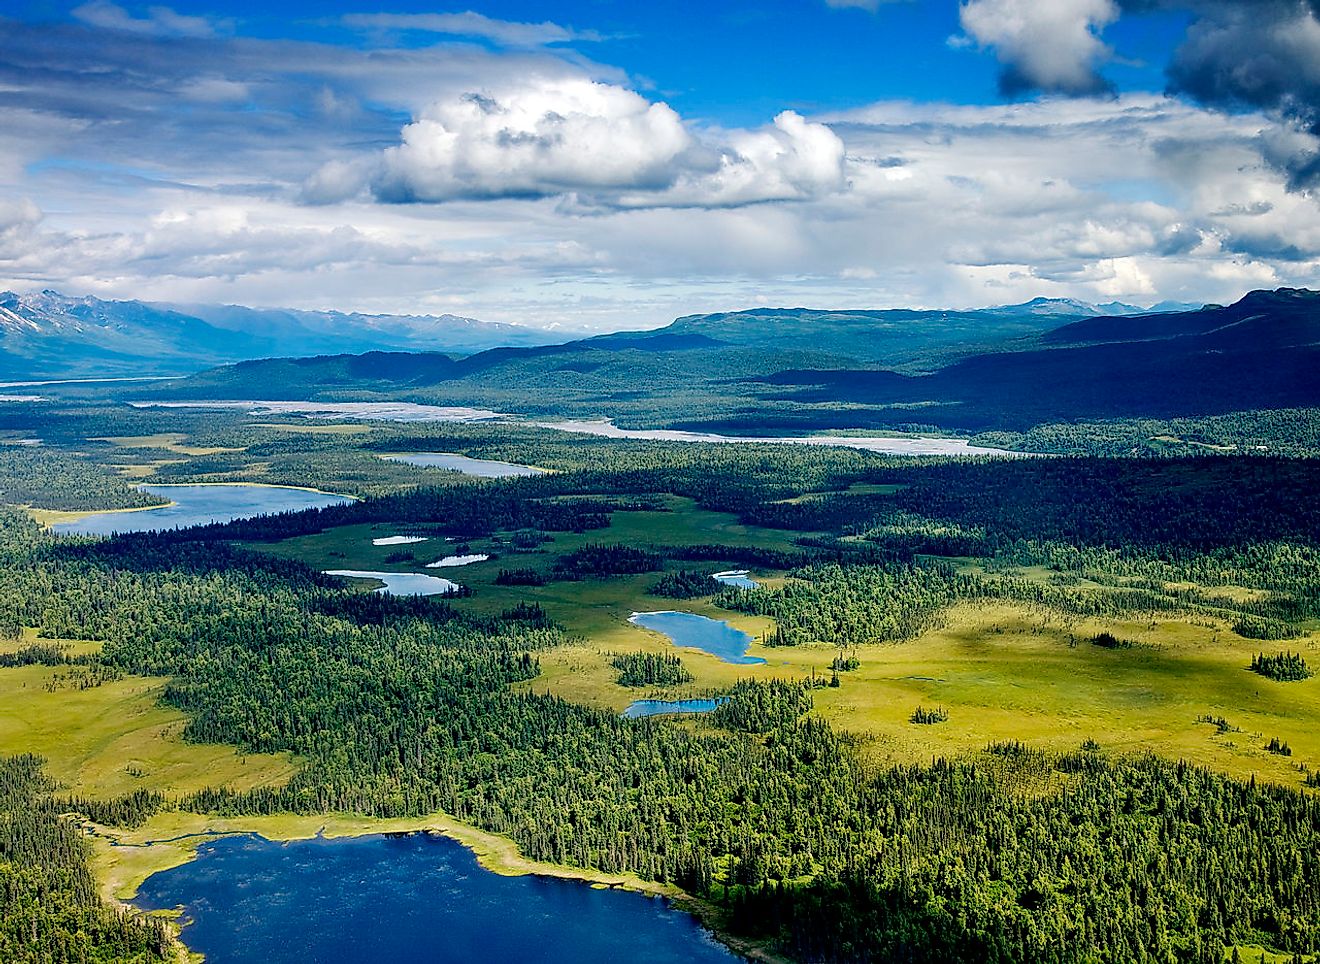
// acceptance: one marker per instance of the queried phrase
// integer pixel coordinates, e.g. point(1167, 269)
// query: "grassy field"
point(111, 739)
point(1004, 672)
point(169, 441)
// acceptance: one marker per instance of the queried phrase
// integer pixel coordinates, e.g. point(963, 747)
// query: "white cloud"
point(18, 221)
point(542, 137)
point(791, 160)
point(159, 21)
point(1051, 45)
point(1135, 197)
point(601, 144)
point(471, 24)
point(214, 90)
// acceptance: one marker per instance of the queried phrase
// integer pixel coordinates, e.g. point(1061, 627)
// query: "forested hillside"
point(50, 908)
point(401, 707)
point(1220, 370)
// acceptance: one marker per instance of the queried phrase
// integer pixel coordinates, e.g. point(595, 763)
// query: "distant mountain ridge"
point(1262, 352)
point(804, 369)
point(50, 335)
point(905, 338)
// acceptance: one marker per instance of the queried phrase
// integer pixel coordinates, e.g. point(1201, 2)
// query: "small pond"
point(482, 468)
point(906, 445)
point(400, 583)
point(398, 540)
point(639, 708)
point(371, 411)
point(450, 562)
point(713, 636)
point(740, 578)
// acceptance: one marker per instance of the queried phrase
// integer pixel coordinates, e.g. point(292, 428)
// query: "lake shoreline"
point(52, 517)
point(494, 853)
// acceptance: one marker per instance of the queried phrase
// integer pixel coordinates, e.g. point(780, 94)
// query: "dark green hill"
point(797, 370)
point(1261, 353)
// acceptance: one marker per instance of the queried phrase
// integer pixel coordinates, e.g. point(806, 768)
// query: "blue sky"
point(600, 164)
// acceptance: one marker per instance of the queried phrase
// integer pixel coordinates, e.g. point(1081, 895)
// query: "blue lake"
point(482, 468)
point(713, 636)
point(200, 505)
point(740, 578)
point(412, 897)
point(639, 708)
point(400, 583)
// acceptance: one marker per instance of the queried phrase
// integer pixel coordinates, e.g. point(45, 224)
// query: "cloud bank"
point(524, 185)
point(600, 145)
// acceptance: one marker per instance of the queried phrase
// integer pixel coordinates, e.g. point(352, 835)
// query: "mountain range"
point(49, 335)
point(801, 370)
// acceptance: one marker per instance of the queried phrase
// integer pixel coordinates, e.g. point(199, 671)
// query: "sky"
point(603, 164)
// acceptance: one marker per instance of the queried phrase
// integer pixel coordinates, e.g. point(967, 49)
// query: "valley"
point(530, 483)
point(861, 593)
point(370, 613)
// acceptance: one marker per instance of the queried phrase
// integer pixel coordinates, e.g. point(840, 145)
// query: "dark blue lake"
point(714, 636)
point(639, 708)
point(414, 897)
point(199, 505)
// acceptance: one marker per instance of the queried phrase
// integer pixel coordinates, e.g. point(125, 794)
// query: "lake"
point(911, 445)
point(412, 897)
point(451, 561)
point(381, 411)
point(639, 708)
point(481, 468)
point(604, 427)
point(713, 636)
point(398, 540)
point(200, 505)
point(400, 583)
point(736, 577)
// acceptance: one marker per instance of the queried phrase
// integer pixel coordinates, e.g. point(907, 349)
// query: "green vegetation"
point(1277, 746)
point(1284, 667)
point(927, 717)
point(1110, 641)
point(595, 561)
point(685, 584)
point(33, 475)
point(519, 577)
point(812, 816)
point(650, 669)
point(756, 707)
point(50, 911)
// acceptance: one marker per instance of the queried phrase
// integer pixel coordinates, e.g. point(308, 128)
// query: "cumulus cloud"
point(1259, 54)
point(1052, 46)
point(1262, 54)
point(18, 221)
point(793, 159)
point(159, 21)
point(471, 24)
point(540, 138)
point(1135, 197)
point(602, 144)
